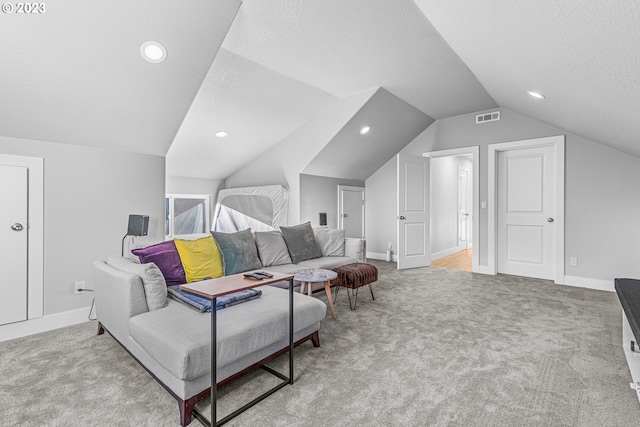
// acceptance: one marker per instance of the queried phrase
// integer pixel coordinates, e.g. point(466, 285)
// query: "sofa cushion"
point(166, 257)
point(327, 262)
point(200, 258)
point(238, 250)
point(331, 241)
point(178, 338)
point(301, 242)
point(155, 287)
point(272, 249)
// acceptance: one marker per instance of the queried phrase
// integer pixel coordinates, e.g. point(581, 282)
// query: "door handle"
point(549, 219)
point(17, 227)
point(401, 217)
point(345, 215)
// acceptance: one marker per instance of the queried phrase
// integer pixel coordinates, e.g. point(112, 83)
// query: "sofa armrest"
point(355, 248)
point(119, 297)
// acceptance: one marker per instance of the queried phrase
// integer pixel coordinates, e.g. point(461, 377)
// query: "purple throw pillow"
point(166, 257)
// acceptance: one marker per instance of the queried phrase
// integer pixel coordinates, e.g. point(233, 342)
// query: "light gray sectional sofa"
point(172, 341)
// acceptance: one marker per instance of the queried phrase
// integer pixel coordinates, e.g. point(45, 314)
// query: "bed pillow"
point(238, 250)
point(272, 249)
point(331, 241)
point(200, 258)
point(166, 257)
point(301, 242)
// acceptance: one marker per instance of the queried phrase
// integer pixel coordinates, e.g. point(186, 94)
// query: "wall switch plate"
point(79, 285)
point(573, 262)
point(483, 204)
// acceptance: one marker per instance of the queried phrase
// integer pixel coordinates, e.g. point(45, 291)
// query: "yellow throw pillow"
point(200, 258)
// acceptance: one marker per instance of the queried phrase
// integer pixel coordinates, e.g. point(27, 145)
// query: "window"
point(186, 214)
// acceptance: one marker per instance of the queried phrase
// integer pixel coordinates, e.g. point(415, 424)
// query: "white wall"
point(320, 194)
point(186, 185)
point(88, 196)
point(381, 210)
point(602, 207)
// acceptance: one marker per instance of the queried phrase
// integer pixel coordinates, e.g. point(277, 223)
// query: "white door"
point(351, 211)
point(526, 212)
point(464, 214)
point(13, 250)
point(414, 236)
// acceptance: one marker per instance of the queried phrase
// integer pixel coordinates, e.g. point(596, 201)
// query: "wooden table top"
point(213, 288)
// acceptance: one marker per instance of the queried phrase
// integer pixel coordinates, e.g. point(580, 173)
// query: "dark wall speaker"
point(323, 218)
point(138, 225)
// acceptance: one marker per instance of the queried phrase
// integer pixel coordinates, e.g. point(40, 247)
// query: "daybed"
point(172, 341)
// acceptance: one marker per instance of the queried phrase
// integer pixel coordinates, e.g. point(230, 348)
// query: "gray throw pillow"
point(331, 241)
point(238, 251)
point(272, 249)
point(301, 242)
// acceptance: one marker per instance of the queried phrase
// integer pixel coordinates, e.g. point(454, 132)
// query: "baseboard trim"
point(444, 253)
point(382, 257)
point(43, 324)
point(586, 282)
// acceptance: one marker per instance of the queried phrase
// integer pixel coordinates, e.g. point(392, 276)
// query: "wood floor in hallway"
point(457, 261)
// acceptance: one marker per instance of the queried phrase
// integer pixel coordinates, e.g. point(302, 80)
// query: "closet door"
point(13, 251)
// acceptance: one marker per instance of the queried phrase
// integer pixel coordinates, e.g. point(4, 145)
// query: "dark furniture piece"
point(353, 277)
point(628, 291)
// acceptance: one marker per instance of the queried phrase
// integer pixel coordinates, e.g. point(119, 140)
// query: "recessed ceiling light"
point(536, 95)
point(365, 130)
point(153, 51)
point(222, 134)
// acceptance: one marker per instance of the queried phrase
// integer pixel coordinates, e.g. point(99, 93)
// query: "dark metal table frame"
point(214, 381)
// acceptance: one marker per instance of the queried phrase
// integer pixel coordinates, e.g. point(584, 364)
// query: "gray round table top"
point(314, 275)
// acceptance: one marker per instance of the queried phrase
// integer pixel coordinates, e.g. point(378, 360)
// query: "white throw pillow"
point(155, 287)
point(331, 241)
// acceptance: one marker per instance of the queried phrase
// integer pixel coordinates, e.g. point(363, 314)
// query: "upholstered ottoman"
point(353, 277)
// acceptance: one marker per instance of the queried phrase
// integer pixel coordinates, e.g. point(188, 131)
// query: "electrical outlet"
point(79, 285)
point(573, 262)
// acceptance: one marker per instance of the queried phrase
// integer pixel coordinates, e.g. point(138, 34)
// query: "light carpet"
point(436, 348)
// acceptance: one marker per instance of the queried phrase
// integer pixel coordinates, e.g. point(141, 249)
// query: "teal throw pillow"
point(238, 250)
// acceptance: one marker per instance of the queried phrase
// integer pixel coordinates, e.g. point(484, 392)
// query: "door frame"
point(558, 142)
point(474, 151)
point(342, 188)
point(35, 228)
point(469, 201)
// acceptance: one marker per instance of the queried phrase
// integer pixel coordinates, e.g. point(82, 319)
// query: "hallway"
point(458, 261)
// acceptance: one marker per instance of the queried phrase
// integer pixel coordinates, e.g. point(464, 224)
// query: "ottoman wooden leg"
point(327, 289)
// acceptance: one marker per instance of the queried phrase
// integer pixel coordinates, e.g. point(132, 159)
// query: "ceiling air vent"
point(488, 117)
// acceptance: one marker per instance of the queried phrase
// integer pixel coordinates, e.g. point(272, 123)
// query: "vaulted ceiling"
point(74, 74)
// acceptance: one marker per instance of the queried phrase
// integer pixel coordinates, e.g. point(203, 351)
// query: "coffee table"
point(214, 288)
point(317, 275)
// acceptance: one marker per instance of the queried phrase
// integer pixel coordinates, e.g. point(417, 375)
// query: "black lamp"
point(138, 226)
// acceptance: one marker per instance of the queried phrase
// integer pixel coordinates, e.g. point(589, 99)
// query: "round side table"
point(315, 275)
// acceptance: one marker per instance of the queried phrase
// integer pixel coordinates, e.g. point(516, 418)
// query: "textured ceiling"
point(349, 155)
point(257, 106)
point(583, 55)
point(283, 61)
point(74, 74)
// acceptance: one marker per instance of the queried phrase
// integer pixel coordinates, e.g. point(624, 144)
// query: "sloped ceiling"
point(283, 61)
point(583, 55)
point(350, 155)
point(74, 74)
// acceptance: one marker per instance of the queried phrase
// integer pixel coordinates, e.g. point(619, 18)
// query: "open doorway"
point(453, 208)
